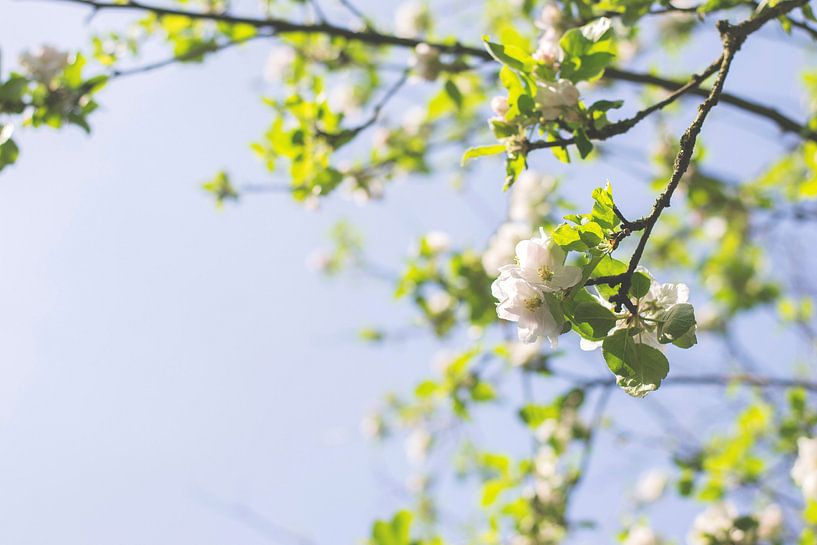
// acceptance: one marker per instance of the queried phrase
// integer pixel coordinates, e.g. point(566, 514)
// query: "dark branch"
point(717, 380)
point(732, 38)
point(370, 36)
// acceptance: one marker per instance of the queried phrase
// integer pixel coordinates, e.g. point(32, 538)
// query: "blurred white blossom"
point(425, 62)
point(502, 245)
point(44, 64)
point(804, 471)
point(650, 486)
point(412, 19)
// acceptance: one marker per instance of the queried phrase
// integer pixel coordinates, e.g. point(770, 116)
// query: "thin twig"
point(716, 380)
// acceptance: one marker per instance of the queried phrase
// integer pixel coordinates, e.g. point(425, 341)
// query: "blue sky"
point(160, 360)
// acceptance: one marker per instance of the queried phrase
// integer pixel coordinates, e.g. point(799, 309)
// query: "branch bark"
point(368, 35)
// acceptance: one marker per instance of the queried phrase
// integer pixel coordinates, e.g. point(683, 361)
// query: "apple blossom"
point(556, 98)
point(439, 302)
point(44, 64)
point(541, 262)
point(713, 524)
point(650, 486)
point(520, 354)
point(770, 522)
point(640, 535)
point(411, 19)
point(499, 105)
point(279, 61)
point(437, 241)
point(659, 299)
point(417, 445)
point(548, 50)
point(425, 63)
point(522, 302)
point(502, 246)
point(530, 194)
point(550, 18)
point(804, 471)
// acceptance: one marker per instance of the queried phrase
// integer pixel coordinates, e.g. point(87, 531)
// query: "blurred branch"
point(717, 380)
point(368, 35)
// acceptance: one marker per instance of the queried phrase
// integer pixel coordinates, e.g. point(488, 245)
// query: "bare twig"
point(732, 38)
point(279, 26)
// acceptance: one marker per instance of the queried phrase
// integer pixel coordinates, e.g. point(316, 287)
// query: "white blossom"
point(439, 302)
point(523, 303)
point(343, 98)
point(413, 120)
point(502, 246)
point(715, 523)
point(556, 98)
point(520, 354)
point(650, 486)
point(804, 471)
point(548, 50)
point(641, 535)
point(659, 298)
point(411, 19)
point(44, 64)
point(541, 262)
point(499, 105)
point(371, 427)
point(770, 522)
point(595, 30)
point(425, 63)
point(437, 242)
point(547, 479)
point(521, 289)
point(320, 260)
point(6, 131)
point(550, 18)
point(715, 227)
point(279, 61)
point(529, 202)
point(417, 445)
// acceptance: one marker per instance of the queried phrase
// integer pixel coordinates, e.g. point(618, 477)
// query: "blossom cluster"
point(44, 64)
point(804, 471)
point(523, 289)
point(529, 205)
point(720, 523)
point(659, 299)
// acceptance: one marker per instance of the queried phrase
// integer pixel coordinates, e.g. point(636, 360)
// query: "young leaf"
point(639, 369)
point(676, 323)
point(481, 151)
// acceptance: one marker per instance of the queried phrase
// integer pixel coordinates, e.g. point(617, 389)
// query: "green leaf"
point(568, 237)
point(603, 207)
point(676, 323)
point(583, 143)
point(605, 105)
point(640, 285)
point(483, 391)
point(454, 93)
point(482, 151)
point(591, 234)
point(639, 369)
point(510, 55)
point(8, 153)
point(598, 317)
point(394, 532)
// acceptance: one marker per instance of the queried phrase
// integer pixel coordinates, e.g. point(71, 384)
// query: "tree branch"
point(717, 380)
point(370, 36)
point(732, 38)
point(785, 123)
